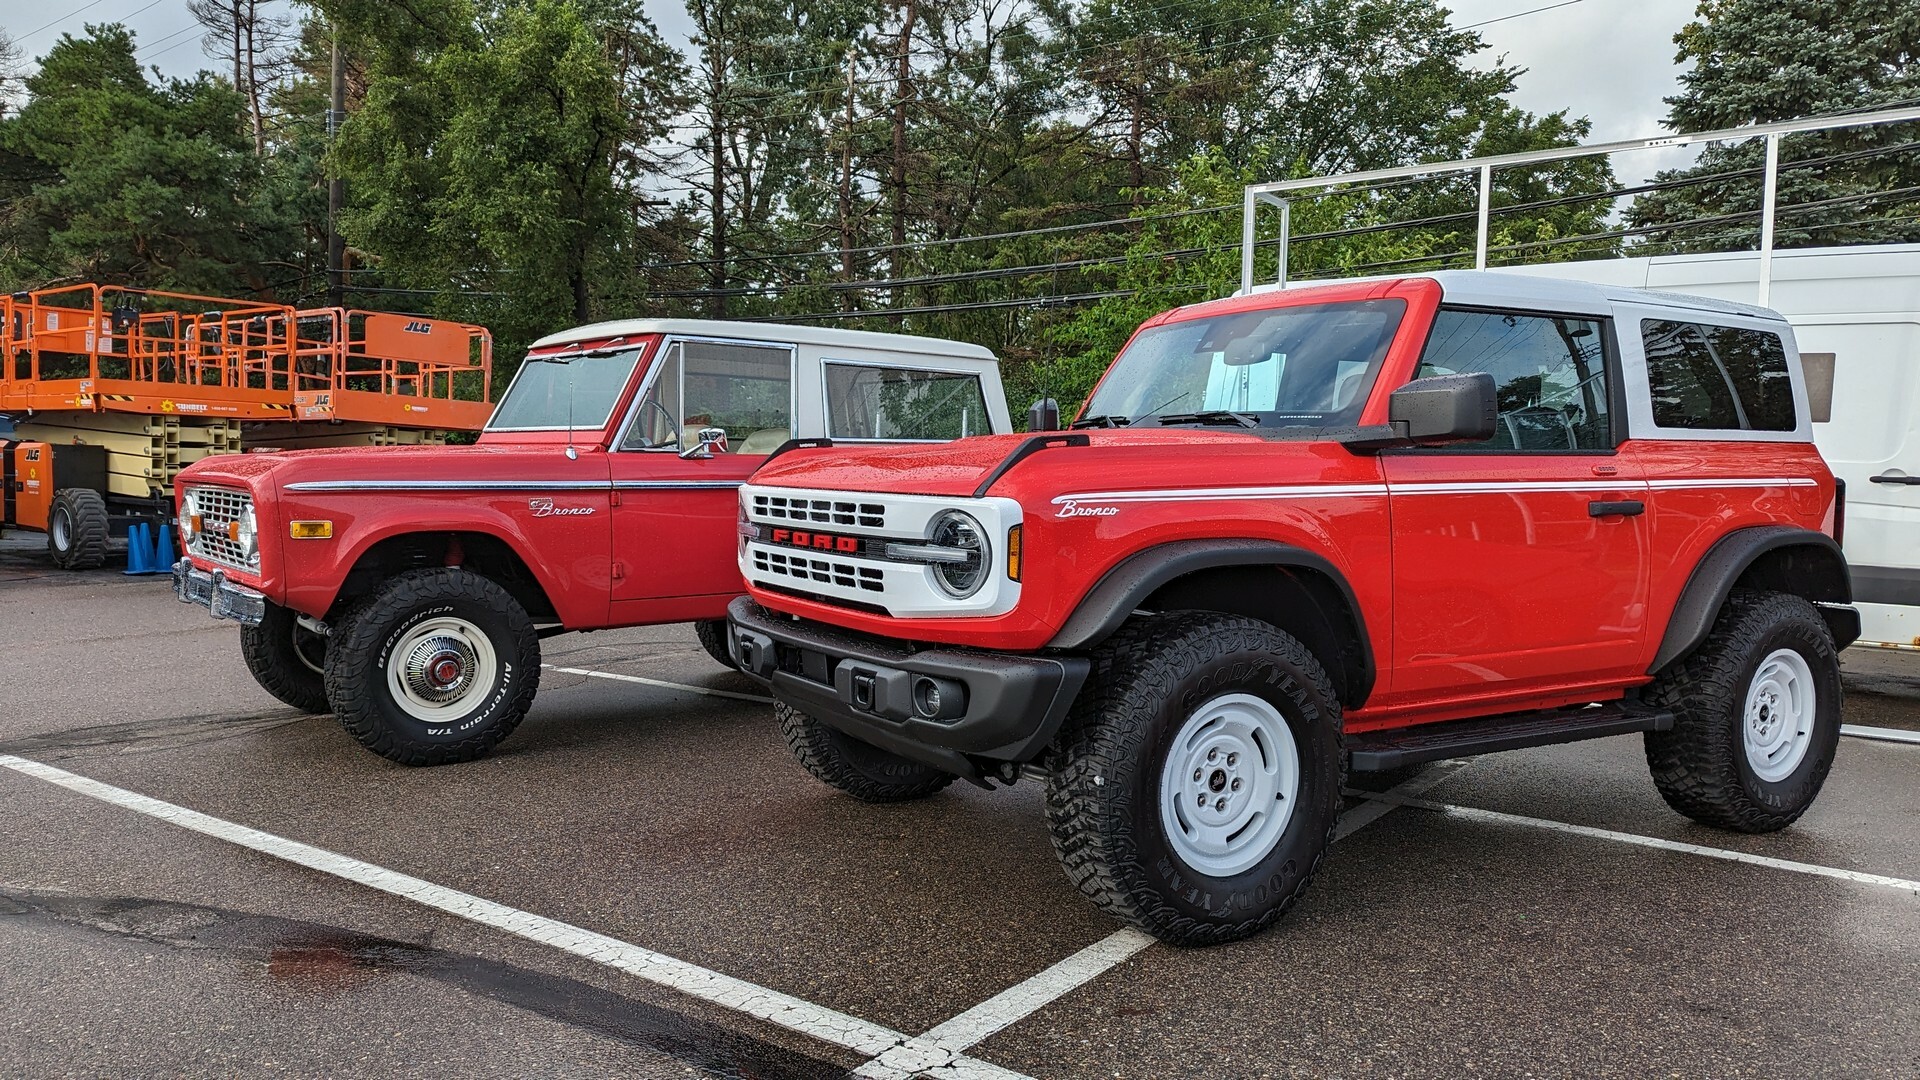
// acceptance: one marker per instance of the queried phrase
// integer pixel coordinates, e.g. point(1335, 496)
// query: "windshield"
point(1307, 366)
point(565, 391)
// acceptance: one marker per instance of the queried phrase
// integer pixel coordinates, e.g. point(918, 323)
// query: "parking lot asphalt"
point(720, 913)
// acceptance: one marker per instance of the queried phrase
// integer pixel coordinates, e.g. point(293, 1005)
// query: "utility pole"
point(846, 190)
point(336, 186)
point(898, 177)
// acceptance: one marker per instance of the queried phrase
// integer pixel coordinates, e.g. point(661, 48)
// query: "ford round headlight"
point(960, 532)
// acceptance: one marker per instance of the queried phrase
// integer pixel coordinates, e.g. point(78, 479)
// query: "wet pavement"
point(1433, 944)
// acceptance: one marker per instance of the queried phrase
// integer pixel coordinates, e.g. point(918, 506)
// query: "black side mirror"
point(1442, 409)
point(1043, 415)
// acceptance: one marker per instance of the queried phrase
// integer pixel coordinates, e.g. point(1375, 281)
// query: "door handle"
point(1889, 478)
point(1621, 508)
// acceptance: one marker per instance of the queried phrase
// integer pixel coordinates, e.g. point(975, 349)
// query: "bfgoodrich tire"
point(713, 638)
point(1196, 785)
point(77, 529)
point(287, 659)
point(860, 769)
point(1757, 716)
point(435, 666)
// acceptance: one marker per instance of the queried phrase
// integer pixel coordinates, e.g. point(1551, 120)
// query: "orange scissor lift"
point(111, 391)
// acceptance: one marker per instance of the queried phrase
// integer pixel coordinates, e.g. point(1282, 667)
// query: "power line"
point(1517, 15)
point(58, 21)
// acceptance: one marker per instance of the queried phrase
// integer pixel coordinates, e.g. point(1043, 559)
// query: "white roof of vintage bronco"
point(784, 333)
point(1494, 288)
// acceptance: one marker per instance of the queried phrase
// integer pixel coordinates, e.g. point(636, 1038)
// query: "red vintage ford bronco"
point(1356, 526)
point(406, 589)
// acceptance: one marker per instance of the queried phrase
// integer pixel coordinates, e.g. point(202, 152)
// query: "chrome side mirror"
point(713, 441)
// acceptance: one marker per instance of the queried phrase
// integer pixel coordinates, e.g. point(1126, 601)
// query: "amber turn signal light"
point(1013, 553)
point(311, 530)
point(196, 524)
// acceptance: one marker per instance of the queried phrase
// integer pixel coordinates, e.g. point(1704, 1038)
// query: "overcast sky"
point(1611, 60)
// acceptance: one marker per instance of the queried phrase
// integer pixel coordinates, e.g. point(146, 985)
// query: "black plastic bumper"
point(986, 706)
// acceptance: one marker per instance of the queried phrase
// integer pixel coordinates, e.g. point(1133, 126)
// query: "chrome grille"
point(826, 571)
point(220, 508)
point(819, 511)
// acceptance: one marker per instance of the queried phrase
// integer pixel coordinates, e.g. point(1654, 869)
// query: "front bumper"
point(991, 707)
point(218, 595)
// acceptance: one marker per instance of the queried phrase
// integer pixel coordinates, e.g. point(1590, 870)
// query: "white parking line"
point(662, 683)
point(794, 1014)
point(1882, 734)
point(1023, 999)
point(1474, 813)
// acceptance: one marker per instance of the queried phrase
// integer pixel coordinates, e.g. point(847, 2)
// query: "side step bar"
point(1378, 751)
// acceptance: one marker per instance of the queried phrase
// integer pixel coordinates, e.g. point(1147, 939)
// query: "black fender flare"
point(1813, 567)
point(1123, 589)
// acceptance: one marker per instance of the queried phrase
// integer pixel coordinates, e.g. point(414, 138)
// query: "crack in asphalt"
point(331, 959)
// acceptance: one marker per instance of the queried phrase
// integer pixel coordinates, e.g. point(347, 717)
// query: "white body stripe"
point(1336, 491)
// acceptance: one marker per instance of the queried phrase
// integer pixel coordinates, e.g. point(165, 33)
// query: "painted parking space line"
point(661, 683)
point(1021, 1000)
point(1474, 813)
point(792, 1013)
point(1881, 734)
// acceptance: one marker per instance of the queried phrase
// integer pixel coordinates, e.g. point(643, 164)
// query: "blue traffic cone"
point(163, 556)
point(139, 550)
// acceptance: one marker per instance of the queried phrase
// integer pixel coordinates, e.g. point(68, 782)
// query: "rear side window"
point(1717, 378)
point(902, 403)
point(1549, 375)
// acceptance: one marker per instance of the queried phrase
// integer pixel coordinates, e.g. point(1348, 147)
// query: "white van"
point(1856, 314)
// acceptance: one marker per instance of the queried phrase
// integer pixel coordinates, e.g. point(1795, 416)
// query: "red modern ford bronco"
point(1358, 526)
point(406, 589)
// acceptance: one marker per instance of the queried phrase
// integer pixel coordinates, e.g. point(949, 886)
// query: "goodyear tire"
point(713, 638)
point(860, 769)
point(1194, 789)
point(77, 529)
point(287, 659)
point(1757, 716)
point(435, 666)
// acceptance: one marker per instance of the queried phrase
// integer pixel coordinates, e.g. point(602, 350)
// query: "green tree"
point(1754, 61)
point(116, 179)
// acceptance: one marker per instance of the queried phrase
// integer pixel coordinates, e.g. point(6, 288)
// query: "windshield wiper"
point(1102, 421)
point(1211, 416)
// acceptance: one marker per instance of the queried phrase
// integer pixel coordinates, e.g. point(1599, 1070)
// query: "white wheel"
point(1231, 779)
point(441, 670)
point(1779, 715)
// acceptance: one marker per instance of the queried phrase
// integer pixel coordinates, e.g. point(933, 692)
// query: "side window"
point(1715, 378)
point(1549, 376)
point(745, 389)
point(901, 403)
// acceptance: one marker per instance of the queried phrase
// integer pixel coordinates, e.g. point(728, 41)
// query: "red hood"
point(952, 469)
point(509, 462)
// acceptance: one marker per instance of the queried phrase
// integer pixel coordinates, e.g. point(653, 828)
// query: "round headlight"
point(961, 578)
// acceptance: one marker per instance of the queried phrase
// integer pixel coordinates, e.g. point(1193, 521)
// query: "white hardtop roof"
point(1493, 288)
point(784, 333)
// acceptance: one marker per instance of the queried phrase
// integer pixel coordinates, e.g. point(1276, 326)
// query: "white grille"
point(219, 510)
point(824, 571)
point(819, 511)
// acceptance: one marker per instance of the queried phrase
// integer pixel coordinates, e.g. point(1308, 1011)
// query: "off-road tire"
point(1701, 765)
point(713, 638)
point(272, 651)
point(1104, 784)
point(79, 515)
point(359, 649)
point(860, 769)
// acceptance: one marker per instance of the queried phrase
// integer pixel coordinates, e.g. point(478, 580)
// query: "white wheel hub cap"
point(1228, 788)
point(1779, 717)
point(441, 670)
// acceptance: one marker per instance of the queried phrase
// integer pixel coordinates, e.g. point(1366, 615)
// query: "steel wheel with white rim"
point(1756, 716)
point(1230, 784)
point(1194, 789)
point(1779, 715)
point(434, 666)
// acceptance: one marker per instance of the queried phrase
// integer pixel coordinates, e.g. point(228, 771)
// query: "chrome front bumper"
point(218, 595)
